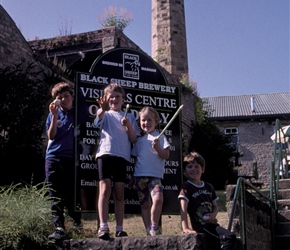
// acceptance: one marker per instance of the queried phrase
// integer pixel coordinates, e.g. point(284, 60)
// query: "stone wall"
point(255, 144)
point(174, 242)
point(258, 219)
point(13, 47)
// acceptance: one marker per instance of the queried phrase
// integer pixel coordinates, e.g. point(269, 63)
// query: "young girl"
point(151, 154)
point(198, 200)
point(113, 155)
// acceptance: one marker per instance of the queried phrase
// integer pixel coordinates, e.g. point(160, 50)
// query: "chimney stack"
point(168, 39)
point(253, 104)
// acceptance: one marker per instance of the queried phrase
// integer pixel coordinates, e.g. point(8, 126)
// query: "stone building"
point(251, 120)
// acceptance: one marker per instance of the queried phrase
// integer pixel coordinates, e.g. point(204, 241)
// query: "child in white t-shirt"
point(118, 132)
point(150, 154)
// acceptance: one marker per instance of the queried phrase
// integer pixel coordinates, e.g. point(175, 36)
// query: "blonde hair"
point(152, 111)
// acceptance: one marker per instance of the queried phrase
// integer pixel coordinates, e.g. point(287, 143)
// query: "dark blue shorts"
point(112, 167)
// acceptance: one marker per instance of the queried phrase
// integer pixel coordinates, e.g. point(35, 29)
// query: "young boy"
point(198, 199)
point(59, 159)
point(119, 131)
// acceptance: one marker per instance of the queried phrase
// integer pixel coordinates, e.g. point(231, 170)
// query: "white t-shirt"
point(114, 136)
point(149, 163)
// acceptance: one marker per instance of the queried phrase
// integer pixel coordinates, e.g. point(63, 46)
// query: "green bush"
point(25, 216)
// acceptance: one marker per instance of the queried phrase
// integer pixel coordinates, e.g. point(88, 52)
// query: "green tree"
point(210, 141)
point(114, 17)
point(214, 146)
point(189, 84)
point(23, 98)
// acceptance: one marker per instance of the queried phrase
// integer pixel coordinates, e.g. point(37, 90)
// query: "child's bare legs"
point(156, 209)
point(118, 193)
point(103, 201)
point(146, 214)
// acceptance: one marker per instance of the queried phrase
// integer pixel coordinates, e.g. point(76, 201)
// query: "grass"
point(25, 216)
point(26, 220)
point(134, 226)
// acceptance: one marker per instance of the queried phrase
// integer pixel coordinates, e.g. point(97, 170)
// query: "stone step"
point(284, 215)
point(282, 232)
point(180, 242)
point(284, 203)
point(284, 184)
point(284, 194)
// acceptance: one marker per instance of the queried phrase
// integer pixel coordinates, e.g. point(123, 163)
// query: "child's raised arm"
point(162, 152)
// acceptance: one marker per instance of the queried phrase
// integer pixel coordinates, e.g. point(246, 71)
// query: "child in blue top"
point(118, 131)
point(150, 154)
point(59, 159)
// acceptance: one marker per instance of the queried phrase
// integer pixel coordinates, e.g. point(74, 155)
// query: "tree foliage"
point(114, 17)
point(213, 145)
point(188, 83)
point(23, 98)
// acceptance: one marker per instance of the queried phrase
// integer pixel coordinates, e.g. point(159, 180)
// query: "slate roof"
point(248, 106)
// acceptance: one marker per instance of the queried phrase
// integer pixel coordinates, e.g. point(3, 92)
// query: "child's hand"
point(103, 103)
point(53, 109)
point(188, 231)
point(155, 143)
point(125, 122)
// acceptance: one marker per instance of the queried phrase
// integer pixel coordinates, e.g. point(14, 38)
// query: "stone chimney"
point(169, 47)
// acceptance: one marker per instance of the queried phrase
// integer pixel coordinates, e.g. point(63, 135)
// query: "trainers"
point(121, 234)
point(154, 232)
point(104, 233)
point(57, 234)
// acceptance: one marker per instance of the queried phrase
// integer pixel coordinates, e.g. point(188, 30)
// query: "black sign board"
point(145, 85)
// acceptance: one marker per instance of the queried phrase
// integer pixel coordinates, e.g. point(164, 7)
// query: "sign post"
point(145, 85)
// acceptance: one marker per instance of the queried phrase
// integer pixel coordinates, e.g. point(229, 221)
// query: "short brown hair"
point(194, 156)
point(60, 88)
point(114, 87)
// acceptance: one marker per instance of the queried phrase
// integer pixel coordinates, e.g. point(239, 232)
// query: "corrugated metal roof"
point(241, 106)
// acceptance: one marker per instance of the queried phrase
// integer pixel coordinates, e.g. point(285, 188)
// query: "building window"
point(231, 131)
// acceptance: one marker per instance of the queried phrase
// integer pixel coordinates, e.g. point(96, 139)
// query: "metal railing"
point(276, 167)
point(240, 196)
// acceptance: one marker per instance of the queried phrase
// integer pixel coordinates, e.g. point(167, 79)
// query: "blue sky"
point(235, 47)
